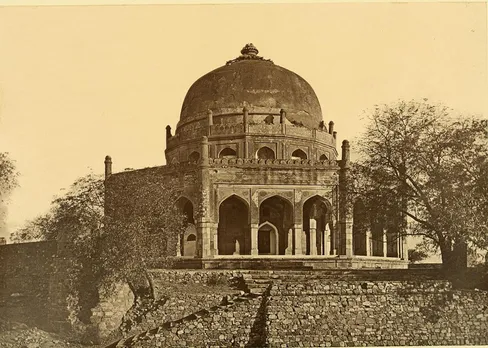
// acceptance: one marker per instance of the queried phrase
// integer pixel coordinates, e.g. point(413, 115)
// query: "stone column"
point(237, 248)
point(368, 242)
point(289, 248)
point(215, 239)
point(209, 121)
point(298, 239)
point(245, 122)
point(108, 166)
point(345, 200)
point(385, 243)
point(313, 237)
point(327, 240)
point(321, 242)
point(304, 243)
point(349, 244)
point(178, 246)
point(254, 239)
point(405, 248)
point(204, 224)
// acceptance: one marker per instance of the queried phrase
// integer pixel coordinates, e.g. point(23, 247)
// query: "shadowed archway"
point(279, 212)
point(234, 236)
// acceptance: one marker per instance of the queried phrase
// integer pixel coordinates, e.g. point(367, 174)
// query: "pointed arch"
point(268, 239)
point(186, 206)
point(194, 156)
point(227, 153)
point(242, 199)
point(233, 226)
point(278, 211)
point(299, 154)
point(323, 157)
point(265, 153)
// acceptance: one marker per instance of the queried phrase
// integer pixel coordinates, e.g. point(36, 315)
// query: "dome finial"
point(249, 49)
point(248, 52)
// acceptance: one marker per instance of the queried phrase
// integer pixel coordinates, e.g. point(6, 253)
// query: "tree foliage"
point(416, 255)
point(142, 226)
point(420, 163)
point(8, 176)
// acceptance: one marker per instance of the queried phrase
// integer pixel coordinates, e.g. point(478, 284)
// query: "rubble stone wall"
point(25, 276)
point(376, 313)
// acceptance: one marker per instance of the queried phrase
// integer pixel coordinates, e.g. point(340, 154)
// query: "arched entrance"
point(188, 241)
point(278, 211)
point(268, 239)
point(234, 230)
point(317, 227)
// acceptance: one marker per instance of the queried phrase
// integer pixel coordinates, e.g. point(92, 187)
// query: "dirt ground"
point(17, 335)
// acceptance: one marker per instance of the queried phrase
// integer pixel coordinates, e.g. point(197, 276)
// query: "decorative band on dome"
point(248, 52)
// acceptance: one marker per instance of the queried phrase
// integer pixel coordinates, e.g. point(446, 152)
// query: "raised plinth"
point(284, 263)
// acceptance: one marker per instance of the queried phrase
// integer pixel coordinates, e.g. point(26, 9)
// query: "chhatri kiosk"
point(261, 177)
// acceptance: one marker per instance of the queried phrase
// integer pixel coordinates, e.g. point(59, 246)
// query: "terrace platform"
point(291, 263)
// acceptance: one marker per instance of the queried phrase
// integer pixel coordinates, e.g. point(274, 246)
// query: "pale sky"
point(78, 83)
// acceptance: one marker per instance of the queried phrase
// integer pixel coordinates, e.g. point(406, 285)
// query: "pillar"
point(385, 243)
point(210, 117)
point(405, 248)
point(313, 237)
point(204, 224)
point(331, 127)
point(254, 239)
point(237, 248)
point(327, 240)
point(215, 231)
point(289, 248)
point(245, 122)
point(345, 200)
point(282, 120)
point(349, 238)
point(368, 242)
point(168, 133)
point(298, 239)
point(178, 246)
point(108, 166)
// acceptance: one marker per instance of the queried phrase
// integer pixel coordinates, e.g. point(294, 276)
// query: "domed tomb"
point(257, 83)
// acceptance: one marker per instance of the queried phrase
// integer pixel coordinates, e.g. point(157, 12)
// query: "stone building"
point(261, 175)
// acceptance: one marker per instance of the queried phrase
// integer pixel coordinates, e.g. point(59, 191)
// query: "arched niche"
point(265, 153)
point(194, 156)
point(233, 226)
point(278, 211)
point(298, 154)
point(189, 241)
point(227, 153)
point(268, 239)
point(185, 206)
point(323, 158)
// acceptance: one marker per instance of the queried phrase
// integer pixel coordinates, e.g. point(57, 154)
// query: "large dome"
point(258, 84)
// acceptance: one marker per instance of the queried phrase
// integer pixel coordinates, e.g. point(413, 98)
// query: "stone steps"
point(227, 302)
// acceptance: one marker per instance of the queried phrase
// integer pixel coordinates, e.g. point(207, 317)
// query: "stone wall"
point(25, 277)
point(319, 308)
point(392, 313)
